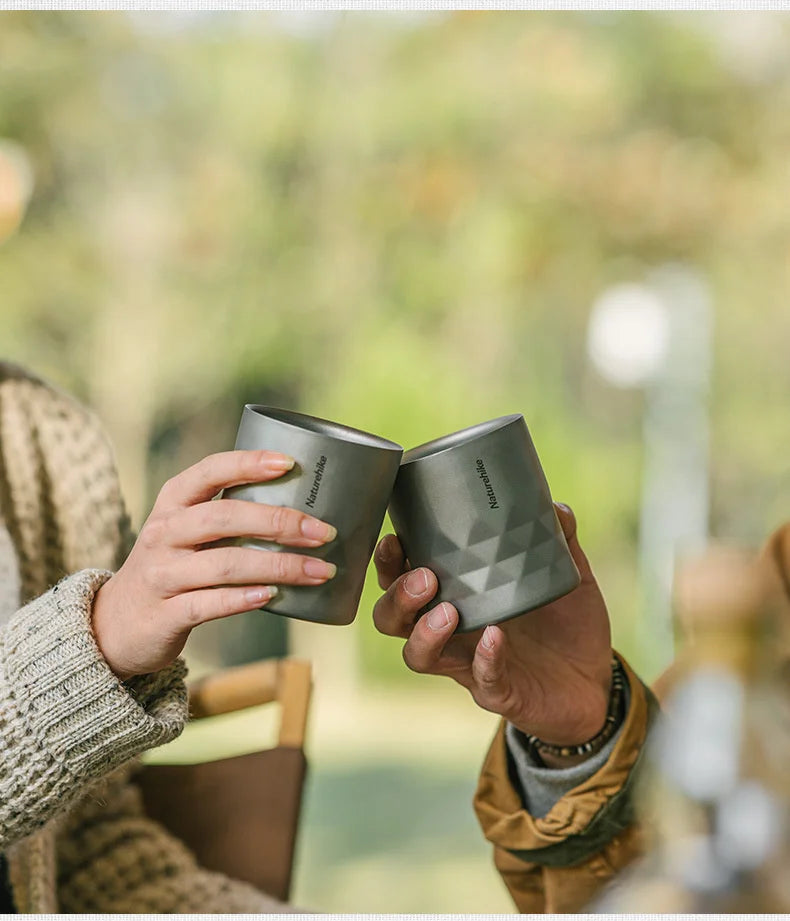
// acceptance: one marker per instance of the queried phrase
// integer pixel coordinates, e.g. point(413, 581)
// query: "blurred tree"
point(400, 223)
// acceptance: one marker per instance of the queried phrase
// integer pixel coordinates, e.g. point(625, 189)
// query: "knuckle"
point(191, 610)
point(379, 621)
point(396, 593)
point(413, 661)
point(215, 515)
point(485, 674)
point(169, 487)
point(396, 600)
point(279, 519)
point(491, 691)
point(488, 681)
point(226, 565)
point(153, 532)
point(383, 619)
point(204, 475)
point(276, 566)
point(282, 566)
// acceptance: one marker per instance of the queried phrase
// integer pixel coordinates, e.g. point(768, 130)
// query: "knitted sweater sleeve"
point(65, 718)
point(113, 858)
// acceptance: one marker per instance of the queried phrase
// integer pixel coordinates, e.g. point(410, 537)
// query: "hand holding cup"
point(548, 672)
point(176, 578)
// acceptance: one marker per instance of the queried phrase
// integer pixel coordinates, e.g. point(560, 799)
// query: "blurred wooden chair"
point(240, 815)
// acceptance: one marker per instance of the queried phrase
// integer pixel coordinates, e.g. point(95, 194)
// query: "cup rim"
point(315, 425)
point(445, 443)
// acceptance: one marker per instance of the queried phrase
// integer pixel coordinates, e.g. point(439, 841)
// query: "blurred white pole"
point(675, 492)
point(658, 336)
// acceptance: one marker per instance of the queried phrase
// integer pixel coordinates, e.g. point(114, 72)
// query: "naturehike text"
point(318, 474)
point(481, 472)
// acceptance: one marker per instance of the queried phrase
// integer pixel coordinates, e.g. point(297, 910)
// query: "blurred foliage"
point(400, 222)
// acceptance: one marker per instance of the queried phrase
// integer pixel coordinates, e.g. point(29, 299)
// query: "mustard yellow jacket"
point(560, 862)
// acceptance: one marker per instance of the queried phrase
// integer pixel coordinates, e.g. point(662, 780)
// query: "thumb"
point(569, 529)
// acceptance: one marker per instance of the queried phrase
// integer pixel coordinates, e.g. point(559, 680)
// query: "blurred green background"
point(400, 221)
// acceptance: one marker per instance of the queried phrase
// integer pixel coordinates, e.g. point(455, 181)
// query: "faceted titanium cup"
point(343, 476)
point(475, 508)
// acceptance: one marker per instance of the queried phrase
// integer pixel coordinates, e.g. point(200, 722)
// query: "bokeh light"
point(628, 334)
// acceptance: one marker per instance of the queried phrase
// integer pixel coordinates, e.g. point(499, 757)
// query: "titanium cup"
point(342, 476)
point(475, 508)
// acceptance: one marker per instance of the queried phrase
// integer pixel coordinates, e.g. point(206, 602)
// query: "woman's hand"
point(548, 672)
point(174, 579)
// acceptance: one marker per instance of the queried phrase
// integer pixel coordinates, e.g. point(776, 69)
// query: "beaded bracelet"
point(614, 716)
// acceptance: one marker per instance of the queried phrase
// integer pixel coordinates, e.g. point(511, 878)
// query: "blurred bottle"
point(714, 797)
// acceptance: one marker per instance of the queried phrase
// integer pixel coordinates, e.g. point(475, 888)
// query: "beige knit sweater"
point(71, 825)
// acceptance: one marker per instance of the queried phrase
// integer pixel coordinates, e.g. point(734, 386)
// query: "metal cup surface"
point(343, 476)
point(475, 508)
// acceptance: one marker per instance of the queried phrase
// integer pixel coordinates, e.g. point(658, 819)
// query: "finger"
point(493, 689)
point(203, 480)
point(242, 565)
point(210, 521)
point(428, 639)
point(192, 608)
point(569, 529)
point(397, 608)
point(389, 559)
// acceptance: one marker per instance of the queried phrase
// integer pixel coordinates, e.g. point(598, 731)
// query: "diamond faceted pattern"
point(526, 555)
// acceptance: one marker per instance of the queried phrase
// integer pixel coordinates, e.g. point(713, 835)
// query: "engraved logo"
point(481, 472)
point(318, 474)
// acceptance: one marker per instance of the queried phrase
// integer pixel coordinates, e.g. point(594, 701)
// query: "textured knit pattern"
point(64, 713)
point(71, 825)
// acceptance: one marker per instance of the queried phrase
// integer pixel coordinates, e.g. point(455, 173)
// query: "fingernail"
point(564, 507)
point(488, 638)
point(416, 583)
point(313, 529)
point(260, 595)
point(438, 619)
point(279, 462)
point(319, 569)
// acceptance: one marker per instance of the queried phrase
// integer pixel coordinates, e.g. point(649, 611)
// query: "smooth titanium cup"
point(343, 476)
point(475, 508)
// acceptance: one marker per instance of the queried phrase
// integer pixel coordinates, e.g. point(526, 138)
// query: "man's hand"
point(548, 671)
point(174, 579)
